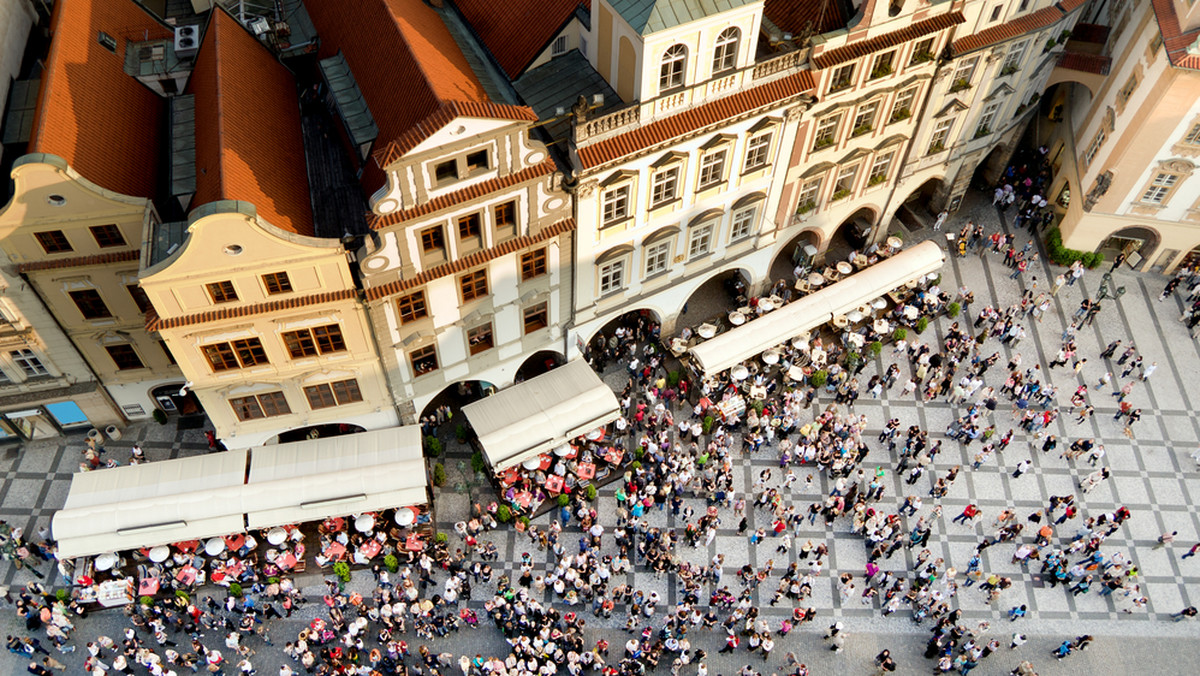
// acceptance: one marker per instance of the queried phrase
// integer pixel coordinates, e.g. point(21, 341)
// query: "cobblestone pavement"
point(1153, 475)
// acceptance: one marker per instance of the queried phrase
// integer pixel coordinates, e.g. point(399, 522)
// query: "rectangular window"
point(505, 215)
point(90, 304)
point(963, 74)
point(827, 129)
point(986, 119)
point(664, 187)
point(29, 363)
point(336, 393)
point(221, 292)
point(712, 168)
point(757, 151)
point(477, 161)
point(469, 226)
point(879, 168)
point(265, 405)
point(883, 65)
point(107, 236)
point(996, 12)
point(700, 240)
point(845, 182)
point(743, 223)
point(445, 172)
point(843, 77)
point(536, 317)
point(107, 41)
point(902, 108)
point(277, 282)
point(616, 204)
point(1160, 188)
point(865, 120)
point(479, 339)
point(314, 341)
point(474, 285)
point(937, 142)
point(53, 241)
point(412, 307)
point(1193, 136)
point(658, 256)
point(533, 264)
point(559, 46)
point(433, 240)
point(1016, 54)
point(242, 353)
point(612, 277)
point(1127, 91)
point(125, 357)
point(1094, 148)
point(922, 52)
point(424, 360)
point(809, 193)
point(139, 298)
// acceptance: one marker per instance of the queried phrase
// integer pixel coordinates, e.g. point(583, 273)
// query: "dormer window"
point(464, 166)
point(477, 161)
point(674, 63)
point(445, 172)
point(725, 50)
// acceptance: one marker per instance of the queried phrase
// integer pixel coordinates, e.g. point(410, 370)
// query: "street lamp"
point(1105, 289)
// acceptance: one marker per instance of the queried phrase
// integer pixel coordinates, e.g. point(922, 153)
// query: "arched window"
point(726, 49)
point(674, 62)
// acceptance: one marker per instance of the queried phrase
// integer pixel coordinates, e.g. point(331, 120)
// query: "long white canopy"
point(218, 494)
point(319, 478)
point(152, 504)
point(541, 413)
point(817, 308)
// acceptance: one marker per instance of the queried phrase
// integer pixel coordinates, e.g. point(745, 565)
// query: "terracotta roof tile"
point(861, 48)
point(1175, 41)
point(1085, 63)
point(446, 113)
point(466, 194)
point(407, 65)
point(694, 119)
point(105, 124)
point(1069, 5)
point(1008, 30)
point(793, 16)
point(470, 261)
point(248, 139)
point(516, 31)
point(79, 261)
point(156, 323)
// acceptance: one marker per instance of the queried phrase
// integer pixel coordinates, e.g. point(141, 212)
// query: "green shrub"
point(1064, 256)
point(441, 538)
point(563, 500)
point(875, 348)
point(922, 324)
point(636, 464)
point(899, 334)
point(503, 514)
point(235, 589)
point(341, 569)
point(391, 563)
point(708, 423)
point(182, 596)
point(439, 474)
point(1097, 259)
point(272, 580)
point(460, 432)
point(591, 492)
point(524, 522)
point(160, 416)
point(639, 452)
point(673, 377)
point(818, 379)
point(433, 446)
point(852, 360)
point(146, 600)
point(758, 407)
point(478, 464)
point(953, 309)
point(60, 594)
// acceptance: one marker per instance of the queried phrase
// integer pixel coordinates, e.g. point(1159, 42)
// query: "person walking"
point(1166, 539)
point(884, 663)
point(1094, 479)
point(1184, 614)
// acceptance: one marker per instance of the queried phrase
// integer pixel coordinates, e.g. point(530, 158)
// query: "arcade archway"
point(538, 363)
point(717, 297)
point(794, 253)
point(1139, 244)
point(318, 432)
point(852, 235)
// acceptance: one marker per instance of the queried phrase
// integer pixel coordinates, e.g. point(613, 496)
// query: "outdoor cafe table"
point(186, 575)
point(413, 543)
point(148, 587)
point(235, 542)
point(554, 483)
point(370, 549)
point(614, 455)
point(188, 546)
point(335, 523)
point(335, 550)
point(586, 470)
point(286, 562)
point(524, 498)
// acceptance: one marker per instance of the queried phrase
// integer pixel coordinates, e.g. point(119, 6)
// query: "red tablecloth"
point(286, 562)
point(370, 549)
point(334, 550)
point(554, 483)
point(509, 477)
point(414, 543)
point(235, 542)
point(614, 455)
point(188, 546)
point(148, 587)
point(186, 575)
point(337, 523)
point(545, 464)
point(523, 498)
point(586, 470)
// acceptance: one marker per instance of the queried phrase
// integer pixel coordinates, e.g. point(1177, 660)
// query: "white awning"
point(336, 476)
point(815, 309)
point(541, 413)
point(152, 504)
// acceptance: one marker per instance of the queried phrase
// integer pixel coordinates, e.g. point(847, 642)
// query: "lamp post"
point(1106, 290)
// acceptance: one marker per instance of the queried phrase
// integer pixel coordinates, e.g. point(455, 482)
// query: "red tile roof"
point(792, 16)
point(248, 138)
point(156, 323)
point(408, 67)
point(1085, 63)
point(694, 119)
point(464, 195)
point(104, 123)
point(1008, 30)
point(467, 262)
point(79, 261)
point(516, 31)
point(861, 48)
point(1175, 41)
point(441, 117)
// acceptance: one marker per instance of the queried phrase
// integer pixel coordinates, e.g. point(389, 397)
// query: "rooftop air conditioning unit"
point(187, 41)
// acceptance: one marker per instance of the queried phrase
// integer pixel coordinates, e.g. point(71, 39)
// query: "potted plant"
point(982, 131)
point(235, 589)
point(818, 379)
point(840, 193)
point(952, 310)
point(503, 514)
point(1009, 69)
point(882, 70)
point(935, 148)
point(901, 114)
point(875, 348)
point(922, 324)
point(959, 85)
point(433, 446)
point(821, 143)
point(342, 570)
point(876, 180)
point(563, 500)
point(460, 433)
point(590, 493)
point(391, 563)
point(439, 474)
point(899, 334)
point(478, 464)
point(859, 131)
point(923, 56)
point(441, 538)
point(805, 207)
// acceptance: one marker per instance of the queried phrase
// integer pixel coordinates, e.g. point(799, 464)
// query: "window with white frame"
point(1012, 60)
point(671, 71)
point(1094, 147)
point(28, 362)
point(845, 182)
point(987, 119)
point(963, 74)
point(758, 151)
point(941, 134)
point(725, 50)
point(864, 121)
point(743, 223)
point(658, 256)
point(712, 168)
point(880, 167)
point(616, 204)
point(902, 108)
point(700, 240)
point(826, 134)
point(809, 193)
point(664, 186)
point(883, 65)
point(1159, 190)
point(843, 77)
point(612, 277)
point(1193, 136)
